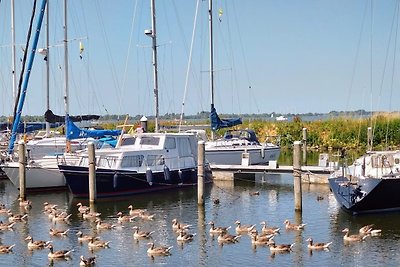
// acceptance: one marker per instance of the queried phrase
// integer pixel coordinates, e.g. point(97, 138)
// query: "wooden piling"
point(200, 172)
point(304, 146)
point(369, 138)
point(92, 173)
point(297, 176)
point(22, 170)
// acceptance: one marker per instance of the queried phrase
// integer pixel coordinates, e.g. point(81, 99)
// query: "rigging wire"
point(189, 65)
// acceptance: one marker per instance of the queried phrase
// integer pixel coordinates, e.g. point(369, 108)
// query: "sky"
point(282, 56)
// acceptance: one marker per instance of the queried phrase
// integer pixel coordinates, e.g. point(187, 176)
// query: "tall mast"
point(155, 74)
point(210, 24)
point(14, 75)
point(47, 69)
point(66, 90)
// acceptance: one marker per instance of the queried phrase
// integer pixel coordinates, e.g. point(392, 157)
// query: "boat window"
point(149, 140)
point(170, 143)
point(132, 161)
point(153, 160)
point(184, 147)
point(128, 141)
point(84, 162)
point(108, 162)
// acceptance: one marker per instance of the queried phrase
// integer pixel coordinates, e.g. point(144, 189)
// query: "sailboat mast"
point(210, 23)
point(47, 69)
point(66, 89)
point(14, 75)
point(155, 72)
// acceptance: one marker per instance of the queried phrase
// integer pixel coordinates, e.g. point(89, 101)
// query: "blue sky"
point(283, 56)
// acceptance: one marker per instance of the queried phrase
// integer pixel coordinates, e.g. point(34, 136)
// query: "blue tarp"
point(74, 132)
point(217, 123)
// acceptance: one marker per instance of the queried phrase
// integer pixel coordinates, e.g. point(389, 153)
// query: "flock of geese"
point(263, 237)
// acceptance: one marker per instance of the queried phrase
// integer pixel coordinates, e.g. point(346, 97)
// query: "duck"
point(83, 238)
point(260, 240)
point(243, 228)
point(104, 225)
point(217, 230)
point(124, 218)
point(317, 246)
point(135, 212)
point(6, 226)
point(184, 237)
point(293, 226)
point(90, 215)
point(58, 254)
point(6, 248)
point(352, 238)
point(158, 251)
point(81, 208)
point(369, 230)
point(269, 230)
point(176, 226)
point(280, 247)
point(98, 243)
point(141, 234)
point(55, 232)
point(37, 244)
point(225, 237)
point(87, 261)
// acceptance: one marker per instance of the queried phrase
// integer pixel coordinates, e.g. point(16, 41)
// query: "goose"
point(3, 209)
point(58, 254)
point(352, 238)
point(317, 246)
point(369, 230)
point(160, 251)
point(225, 237)
point(47, 206)
point(55, 232)
point(81, 208)
point(292, 226)
point(83, 238)
point(17, 217)
point(135, 212)
point(141, 234)
point(280, 248)
point(37, 244)
point(26, 204)
point(87, 261)
point(269, 230)
point(61, 217)
point(124, 218)
point(91, 215)
point(6, 226)
point(243, 228)
point(184, 237)
point(146, 215)
point(6, 248)
point(260, 240)
point(217, 230)
point(98, 243)
point(104, 225)
point(179, 226)
point(254, 193)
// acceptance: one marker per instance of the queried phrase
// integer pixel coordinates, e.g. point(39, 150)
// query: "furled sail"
point(218, 123)
point(49, 116)
point(75, 132)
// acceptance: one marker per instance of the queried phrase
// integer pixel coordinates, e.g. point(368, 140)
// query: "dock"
point(310, 174)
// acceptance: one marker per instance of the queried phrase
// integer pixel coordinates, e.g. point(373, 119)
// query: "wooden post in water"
point(200, 172)
point(22, 170)
point(297, 176)
point(304, 146)
point(369, 138)
point(92, 173)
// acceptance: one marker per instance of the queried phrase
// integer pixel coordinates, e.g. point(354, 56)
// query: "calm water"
point(274, 204)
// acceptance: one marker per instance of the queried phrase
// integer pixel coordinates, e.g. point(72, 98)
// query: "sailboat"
point(229, 149)
point(141, 163)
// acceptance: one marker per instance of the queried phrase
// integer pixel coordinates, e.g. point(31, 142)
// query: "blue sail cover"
point(217, 123)
point(75, 132)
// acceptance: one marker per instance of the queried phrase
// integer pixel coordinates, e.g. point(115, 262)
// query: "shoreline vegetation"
point(325, 132)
